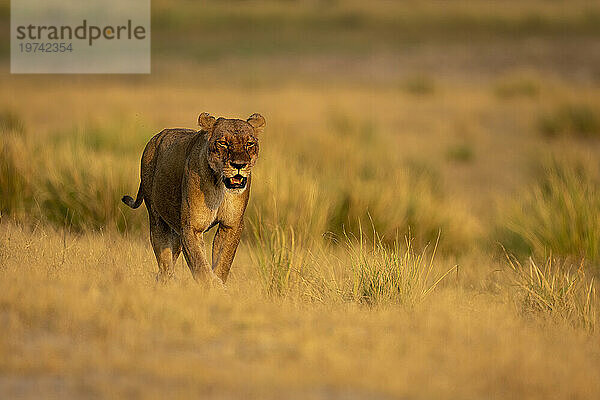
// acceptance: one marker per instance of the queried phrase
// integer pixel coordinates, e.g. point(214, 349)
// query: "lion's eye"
point(223, 144)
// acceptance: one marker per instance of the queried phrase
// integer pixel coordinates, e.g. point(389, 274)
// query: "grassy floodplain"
point(424, 219)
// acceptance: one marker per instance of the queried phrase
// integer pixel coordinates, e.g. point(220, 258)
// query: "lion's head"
point(232, 147)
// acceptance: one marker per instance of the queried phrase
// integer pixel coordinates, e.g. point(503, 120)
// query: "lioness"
point(193, 180)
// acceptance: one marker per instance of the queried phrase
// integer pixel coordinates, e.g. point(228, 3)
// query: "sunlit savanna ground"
point(473, 121)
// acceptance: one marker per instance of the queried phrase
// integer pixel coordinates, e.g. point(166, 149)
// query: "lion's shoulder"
point(176, 140)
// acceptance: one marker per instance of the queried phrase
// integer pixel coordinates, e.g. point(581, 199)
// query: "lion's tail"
point(138, 201)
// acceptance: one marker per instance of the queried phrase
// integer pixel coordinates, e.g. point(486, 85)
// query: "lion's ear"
point(257, 121)
point(206, 121)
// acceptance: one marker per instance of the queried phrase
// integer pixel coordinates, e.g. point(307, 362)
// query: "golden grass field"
point(387, 127)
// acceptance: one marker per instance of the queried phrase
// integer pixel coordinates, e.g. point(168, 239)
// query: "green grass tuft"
point(392, 274)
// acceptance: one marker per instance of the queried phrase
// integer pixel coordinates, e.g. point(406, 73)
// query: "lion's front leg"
point(224, 247)
point(195, 255)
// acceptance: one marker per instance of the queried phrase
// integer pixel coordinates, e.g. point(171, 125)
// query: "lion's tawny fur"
point(194, 180)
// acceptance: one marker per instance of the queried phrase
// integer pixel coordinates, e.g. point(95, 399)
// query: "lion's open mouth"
point(235, 182)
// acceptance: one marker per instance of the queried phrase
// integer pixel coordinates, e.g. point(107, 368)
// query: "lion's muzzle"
point(235, 182)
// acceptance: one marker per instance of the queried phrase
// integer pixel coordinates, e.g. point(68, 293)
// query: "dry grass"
point(83, 317)
point(279, 258)
point(556, 289)
point(379, 115)
point(294, 318)
point(559, 214)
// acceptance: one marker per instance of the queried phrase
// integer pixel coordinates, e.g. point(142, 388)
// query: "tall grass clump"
point(392, 274)
point(555, 289)
point(419, 85)
point(15, 187)
point(82, 191)
point(119, 136)
point(65, 184)
point(516, 87)
point(347, 172)
point(461, 153)
point(560, 213)
point(279, 258)
point(10, 122)
point(571, 120)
